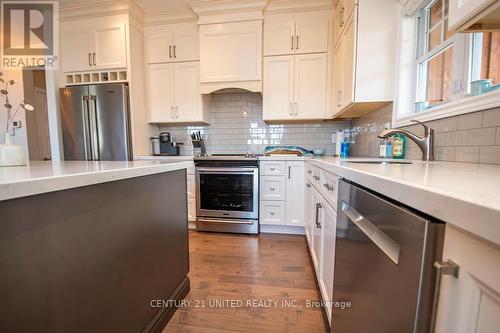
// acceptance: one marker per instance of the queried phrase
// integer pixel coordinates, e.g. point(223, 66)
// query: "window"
point(443, 73)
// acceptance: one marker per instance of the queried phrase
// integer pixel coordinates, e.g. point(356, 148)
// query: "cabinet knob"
point(271, 212)
point(272, 188)
point(273, 168)
point(316, 177)
point(309, 171)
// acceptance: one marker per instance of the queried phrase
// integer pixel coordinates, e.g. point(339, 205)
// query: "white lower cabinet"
point(282, 193)
point(320, 226)
point(470, 302)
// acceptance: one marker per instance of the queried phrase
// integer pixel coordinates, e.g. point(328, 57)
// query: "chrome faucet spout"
point(426, 143)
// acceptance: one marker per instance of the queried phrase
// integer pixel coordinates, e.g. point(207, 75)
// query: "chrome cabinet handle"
point(90, 59)
point(93, 57)
point(329, 187)
point(291, 47)
point(295, 108)
point(308, 185)
point(177, 112)
point(309, 171)
point(318, 207)
point(316, 177)
point(341, 14)
point(291, 109)
point(172, 115)
point(442, 268)
point(170, 51)
point(297, 42)
point(289, 171)
point(386, 244)
point(174, 52)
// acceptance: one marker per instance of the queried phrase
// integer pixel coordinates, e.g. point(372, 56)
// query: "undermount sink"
point(378, 162)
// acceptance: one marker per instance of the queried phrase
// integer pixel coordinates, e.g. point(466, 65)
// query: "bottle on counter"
point(399, 146)
point(344, 150)
point(385, 149)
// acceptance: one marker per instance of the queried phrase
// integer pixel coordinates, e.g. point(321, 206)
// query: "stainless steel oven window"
point(227, 192)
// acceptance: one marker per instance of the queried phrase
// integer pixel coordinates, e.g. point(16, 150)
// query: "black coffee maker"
point(167, 147)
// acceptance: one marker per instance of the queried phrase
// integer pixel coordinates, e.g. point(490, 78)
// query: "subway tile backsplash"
point(236, 126)
point(473, 137)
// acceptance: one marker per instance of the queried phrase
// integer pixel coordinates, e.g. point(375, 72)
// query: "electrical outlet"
point(334, 137)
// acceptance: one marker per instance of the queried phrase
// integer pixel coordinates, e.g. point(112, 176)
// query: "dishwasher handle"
point(390, 247)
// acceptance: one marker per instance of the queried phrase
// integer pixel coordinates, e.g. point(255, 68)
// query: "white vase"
point(11, 154)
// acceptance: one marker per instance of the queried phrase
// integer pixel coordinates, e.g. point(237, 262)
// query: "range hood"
point(230, 44)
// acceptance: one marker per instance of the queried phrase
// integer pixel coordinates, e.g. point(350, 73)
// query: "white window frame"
point(406, 81)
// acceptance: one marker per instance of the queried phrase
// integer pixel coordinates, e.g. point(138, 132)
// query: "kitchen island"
point(92, 246)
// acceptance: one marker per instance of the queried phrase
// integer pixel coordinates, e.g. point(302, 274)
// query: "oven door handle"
point(227, 221)
point(226, 170)
point(390, 247)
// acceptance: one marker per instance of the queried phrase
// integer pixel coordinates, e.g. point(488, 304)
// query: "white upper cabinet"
point(295, 33)
point(231, 51)
point(278, 87)
point(172, 43)
point(474, 14)
point(94, 44)
point(310, 86)
point(295, 87)
point(174, 93)
point(364, 57)
point(343, 11)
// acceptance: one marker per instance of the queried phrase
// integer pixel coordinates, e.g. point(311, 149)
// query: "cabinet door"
point(338, 76)
point(460, 11)
point(471, 301)
point(295, 193)
point(231, 52)
point(316, 231)
point(110, 46)
point(160, 89)
point(185, 42)
point(349, 61)
point(278, 88)
point(328, 225)
point(76, 48)
point(159, 47)
point(279, 37)
point(272, 212)
point(309, 213)
point(311, 35)
point(187, 92)
point(310, 86)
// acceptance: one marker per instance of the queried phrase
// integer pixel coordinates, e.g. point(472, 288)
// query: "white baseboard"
point(191, 225)
point(282, 229)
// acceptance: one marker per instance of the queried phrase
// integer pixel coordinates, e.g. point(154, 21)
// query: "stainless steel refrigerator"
point(96, 122)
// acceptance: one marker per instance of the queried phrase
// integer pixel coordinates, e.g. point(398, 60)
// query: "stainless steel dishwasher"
point(384, 258)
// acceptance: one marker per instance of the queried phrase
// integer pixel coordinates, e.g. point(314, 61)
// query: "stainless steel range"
point(227, 188)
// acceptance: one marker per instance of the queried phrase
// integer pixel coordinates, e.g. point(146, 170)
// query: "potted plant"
point(11, 154)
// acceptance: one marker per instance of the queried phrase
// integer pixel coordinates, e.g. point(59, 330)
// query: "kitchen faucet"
point(426, 144)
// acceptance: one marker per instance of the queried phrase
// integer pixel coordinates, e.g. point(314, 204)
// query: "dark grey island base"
point(93, 258)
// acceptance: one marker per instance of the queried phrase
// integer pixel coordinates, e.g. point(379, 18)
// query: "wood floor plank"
point(268, 278)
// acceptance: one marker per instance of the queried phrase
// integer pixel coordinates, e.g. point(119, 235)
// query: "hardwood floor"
point(269, 279)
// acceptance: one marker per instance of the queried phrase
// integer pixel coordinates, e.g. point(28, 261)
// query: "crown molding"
point(218, 7)
point(288, 6)
point(169, 16)
point(96, 8)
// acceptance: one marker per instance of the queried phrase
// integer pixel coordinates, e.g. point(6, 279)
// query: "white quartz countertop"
point(42, 177)
point(466, 195)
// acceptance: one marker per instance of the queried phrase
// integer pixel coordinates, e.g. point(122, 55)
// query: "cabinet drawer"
point(272, 188)
point(191, 209)
point(313, 174)
point(329, 187)
point(272, 212)
point(191, 186)
point(272, 168)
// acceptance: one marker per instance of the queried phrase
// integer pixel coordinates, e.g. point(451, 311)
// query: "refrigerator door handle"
point(85, 123)
point(94, 130)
